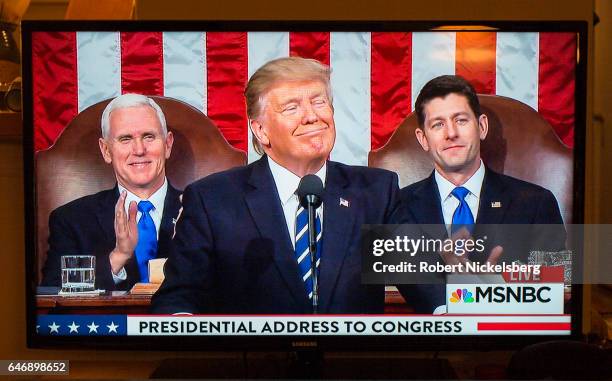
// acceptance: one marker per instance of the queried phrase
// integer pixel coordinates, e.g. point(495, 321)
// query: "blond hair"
point(287, 69)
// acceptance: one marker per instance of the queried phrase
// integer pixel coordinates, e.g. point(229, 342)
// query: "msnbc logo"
point(460, 294)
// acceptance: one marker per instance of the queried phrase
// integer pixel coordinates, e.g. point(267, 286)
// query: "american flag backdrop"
point(375, 75)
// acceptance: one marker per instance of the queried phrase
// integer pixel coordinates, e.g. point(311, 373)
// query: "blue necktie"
point(462, 217)
point(301, 247)
point(146, 248)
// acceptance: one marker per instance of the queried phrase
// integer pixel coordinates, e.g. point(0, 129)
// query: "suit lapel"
point(494, 200)
point(106, 213)
point(172, 204)
point(427, 208)
point(265, 208)
point(338, 228)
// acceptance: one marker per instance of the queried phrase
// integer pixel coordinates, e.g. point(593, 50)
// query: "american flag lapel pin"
point(495, 204)
point(344, 202)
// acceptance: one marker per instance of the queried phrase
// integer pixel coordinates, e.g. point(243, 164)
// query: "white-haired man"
point(126, 226)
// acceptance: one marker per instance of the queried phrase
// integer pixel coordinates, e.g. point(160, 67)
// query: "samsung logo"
point(304, 344)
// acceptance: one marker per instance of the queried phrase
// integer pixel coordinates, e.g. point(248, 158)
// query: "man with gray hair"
point(241, 242)
point(128, 225)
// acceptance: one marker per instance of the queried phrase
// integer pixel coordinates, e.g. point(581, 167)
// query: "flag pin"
point(344, 202)
point(495, 204)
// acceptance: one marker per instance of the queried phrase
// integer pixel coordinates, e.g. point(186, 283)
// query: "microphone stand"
point(312, 249)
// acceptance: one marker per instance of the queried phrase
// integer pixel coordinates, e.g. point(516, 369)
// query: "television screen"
point(162, 161)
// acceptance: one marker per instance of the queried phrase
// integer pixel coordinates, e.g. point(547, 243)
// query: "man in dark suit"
point(128, 225)
point(236, 244)
point(462, 191)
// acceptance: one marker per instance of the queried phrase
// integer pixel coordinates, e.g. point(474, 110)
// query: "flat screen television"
point(197, 71)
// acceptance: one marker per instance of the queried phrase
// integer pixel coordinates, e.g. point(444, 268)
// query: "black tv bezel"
point(269, 343)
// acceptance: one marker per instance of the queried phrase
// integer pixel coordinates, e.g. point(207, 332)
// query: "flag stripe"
point(99, 67)
point(142, 63)
point(350, 79)
point(433, 54)
point(264, 47)
point(475, 59)
point(310, 45)
point(227, 66)
point(185, 67)
point(390, 84)
point(55, 93)
point(557, 82)
point(517, 67)
point(375, 76)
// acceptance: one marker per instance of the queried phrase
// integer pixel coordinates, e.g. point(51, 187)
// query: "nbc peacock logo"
point(461, 294)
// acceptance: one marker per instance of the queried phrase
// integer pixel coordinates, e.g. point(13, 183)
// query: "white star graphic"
point(93, 327)
point(112, 327)
point(53, 328)
point(74, 328)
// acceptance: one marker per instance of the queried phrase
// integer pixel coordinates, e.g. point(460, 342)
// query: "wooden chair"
point(73, 167)
point(520, 143)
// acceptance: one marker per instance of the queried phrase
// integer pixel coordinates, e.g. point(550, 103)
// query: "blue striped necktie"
point(301, 247)
point(462, 217)
point(146, 249)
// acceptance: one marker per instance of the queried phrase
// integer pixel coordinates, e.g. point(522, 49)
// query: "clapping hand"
point(126, 233)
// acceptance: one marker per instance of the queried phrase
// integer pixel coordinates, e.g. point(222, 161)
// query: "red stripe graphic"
point(310, 45)
point(524, 326)
point(227, 67)
point(55, 93)
point(475, 59)
point(556, 82)
point(391, 81)
point(142, 66)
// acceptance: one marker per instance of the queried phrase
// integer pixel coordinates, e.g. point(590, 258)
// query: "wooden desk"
point(139, 304)
point(95, 304)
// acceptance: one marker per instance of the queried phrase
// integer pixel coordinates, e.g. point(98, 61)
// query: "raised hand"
point(450, 258)
point(126, 233)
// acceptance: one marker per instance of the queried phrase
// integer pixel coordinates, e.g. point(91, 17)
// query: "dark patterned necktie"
point(301, 247)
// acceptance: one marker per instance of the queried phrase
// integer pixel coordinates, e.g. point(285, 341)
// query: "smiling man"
point(462, 190)
point(236, 248)
point(128, 225)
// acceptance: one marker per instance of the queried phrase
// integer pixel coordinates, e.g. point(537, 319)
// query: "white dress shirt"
point(450, 202)
point(158, 199)
point(286, 184)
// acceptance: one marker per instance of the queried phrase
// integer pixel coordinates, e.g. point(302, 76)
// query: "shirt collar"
point(287, 182)
point(473, 184)
point(157, 199)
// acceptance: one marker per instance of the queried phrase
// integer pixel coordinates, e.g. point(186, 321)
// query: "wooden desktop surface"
point(122, 303)
point(94, 304)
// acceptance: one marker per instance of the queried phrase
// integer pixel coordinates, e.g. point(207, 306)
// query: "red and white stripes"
point(375, 76)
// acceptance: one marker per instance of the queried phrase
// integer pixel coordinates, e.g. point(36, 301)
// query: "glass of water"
point(78, 273)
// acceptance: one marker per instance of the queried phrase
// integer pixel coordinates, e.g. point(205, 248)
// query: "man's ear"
point(105, 150)
point(421, 138)
point(483, 126)
point(259, 132)
point(169, 141)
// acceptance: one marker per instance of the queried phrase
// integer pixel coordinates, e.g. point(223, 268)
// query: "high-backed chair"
point(520, 143)
point(73, 167)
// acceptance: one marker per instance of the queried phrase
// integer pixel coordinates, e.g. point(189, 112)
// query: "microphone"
point(309, 193)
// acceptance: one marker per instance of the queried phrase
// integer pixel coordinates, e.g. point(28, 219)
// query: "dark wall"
point(12, 263)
